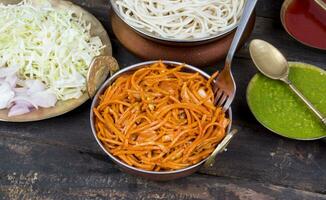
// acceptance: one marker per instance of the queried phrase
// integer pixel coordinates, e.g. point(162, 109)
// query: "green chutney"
point(276, 107)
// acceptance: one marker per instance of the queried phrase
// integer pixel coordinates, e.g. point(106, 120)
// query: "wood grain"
point(59, 158)
point(41, 171)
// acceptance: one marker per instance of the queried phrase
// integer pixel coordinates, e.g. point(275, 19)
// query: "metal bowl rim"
point(172, 40)
point(109, 81)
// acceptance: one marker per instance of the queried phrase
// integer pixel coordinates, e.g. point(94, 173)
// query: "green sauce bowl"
point(277, 108)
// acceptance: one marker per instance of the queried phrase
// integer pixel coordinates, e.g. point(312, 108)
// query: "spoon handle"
point(321, 3)
point(306, 101)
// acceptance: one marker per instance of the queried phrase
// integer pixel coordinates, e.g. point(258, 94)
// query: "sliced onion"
point(18, 109)
point(12, 80)
point(8, 71)
point(44, 99)
point(22, 99)
point(20, 91)
point(34, 86)
point(202, 93)
point(6, 94)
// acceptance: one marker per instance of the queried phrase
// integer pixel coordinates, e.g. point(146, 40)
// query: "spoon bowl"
point(268, 60)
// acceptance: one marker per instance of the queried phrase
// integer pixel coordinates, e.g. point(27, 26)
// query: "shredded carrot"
point(160, 118)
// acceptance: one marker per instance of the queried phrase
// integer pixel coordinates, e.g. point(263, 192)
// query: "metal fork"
point(224, 87)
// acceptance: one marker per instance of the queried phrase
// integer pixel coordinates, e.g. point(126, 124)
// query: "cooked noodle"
point(181, 19)
point(160, 118)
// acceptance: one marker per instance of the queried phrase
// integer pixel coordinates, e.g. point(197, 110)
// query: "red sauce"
point(306, 21)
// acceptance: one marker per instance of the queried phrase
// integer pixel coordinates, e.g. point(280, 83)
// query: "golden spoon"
point(273, 64)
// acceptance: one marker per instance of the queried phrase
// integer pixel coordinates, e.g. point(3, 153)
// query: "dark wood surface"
point(59, 158)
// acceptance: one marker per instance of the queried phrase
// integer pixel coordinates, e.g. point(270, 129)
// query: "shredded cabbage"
point(50, 45)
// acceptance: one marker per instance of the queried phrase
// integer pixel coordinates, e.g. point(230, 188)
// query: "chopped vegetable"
point(50, 45)
point(22, 96)
point(6, 94)
point(45, 54)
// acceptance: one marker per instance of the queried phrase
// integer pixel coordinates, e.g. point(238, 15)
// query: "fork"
point(224, 87)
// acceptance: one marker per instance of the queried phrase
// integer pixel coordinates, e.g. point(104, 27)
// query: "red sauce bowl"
point(305, 21)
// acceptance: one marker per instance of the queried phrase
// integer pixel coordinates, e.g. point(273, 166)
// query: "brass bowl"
point(173, 41)
point(161, 175)
point(65, 106)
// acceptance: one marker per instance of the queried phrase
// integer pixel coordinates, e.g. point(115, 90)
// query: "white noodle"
point(181, 19)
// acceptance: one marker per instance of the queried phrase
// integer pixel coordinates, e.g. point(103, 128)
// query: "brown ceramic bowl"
point(153, 175)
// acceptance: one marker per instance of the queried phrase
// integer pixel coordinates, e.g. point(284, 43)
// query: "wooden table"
point(59, 158)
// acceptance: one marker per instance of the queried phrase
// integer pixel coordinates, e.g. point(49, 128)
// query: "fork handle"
point(246, 14)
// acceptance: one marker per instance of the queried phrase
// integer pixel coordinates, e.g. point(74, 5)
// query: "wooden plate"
point(62, 106)
point(196, 55)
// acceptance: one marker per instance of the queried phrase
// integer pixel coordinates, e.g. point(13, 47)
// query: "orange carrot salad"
point(160, 118)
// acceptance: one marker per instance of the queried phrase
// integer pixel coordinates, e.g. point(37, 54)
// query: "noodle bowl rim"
point(151, 36)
